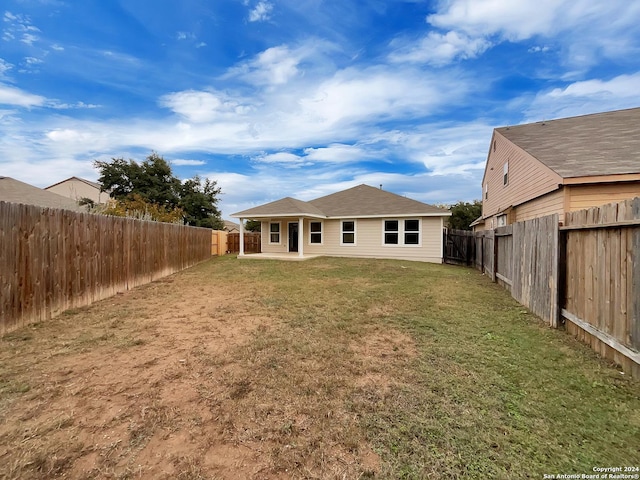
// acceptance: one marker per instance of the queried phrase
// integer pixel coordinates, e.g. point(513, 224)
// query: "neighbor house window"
point(486, 191)
point(412, 232)
point(502, 220)
point(401, 232)
point(391, 232)
point(315, 232)
point(505, 174)
point(348, 232)
point(274, 232)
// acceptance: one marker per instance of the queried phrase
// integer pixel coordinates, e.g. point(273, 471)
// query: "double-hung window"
point(391, 232)
point(401, 232)
point(274, 232)
point(348, 232)
point(315, 232)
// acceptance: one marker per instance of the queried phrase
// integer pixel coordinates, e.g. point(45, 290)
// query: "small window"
point(411, 232)
point(315, 232)
point(494, 145)
point(348, 232)
point(274, 232)
point(391, 232)
point(486, 191)
point(502, 220)
point(505, 174)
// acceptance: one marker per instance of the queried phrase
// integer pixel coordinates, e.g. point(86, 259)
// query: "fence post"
point(495, 257)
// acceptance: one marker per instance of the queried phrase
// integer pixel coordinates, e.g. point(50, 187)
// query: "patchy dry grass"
point(330, 368)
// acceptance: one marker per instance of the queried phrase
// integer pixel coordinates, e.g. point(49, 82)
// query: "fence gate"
point(252, 242)
point(459, 247)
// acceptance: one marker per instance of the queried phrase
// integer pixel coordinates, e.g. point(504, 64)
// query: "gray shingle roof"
point(286, 206)
point(598, 144)
point(360, 201)
point(15, 191)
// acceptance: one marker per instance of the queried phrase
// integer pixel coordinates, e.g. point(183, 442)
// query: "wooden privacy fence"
point(252, 242)
point(218, 242)
point(601, 289)
point(459, 247)
point(585, 274)
point(52, 260)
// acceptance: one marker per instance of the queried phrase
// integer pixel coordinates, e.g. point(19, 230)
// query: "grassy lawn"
point(357, 369)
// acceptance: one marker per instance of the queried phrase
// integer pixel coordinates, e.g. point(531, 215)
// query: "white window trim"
point(279, 242)
point(321, 232)
point(401, 232)
point(505, 174)
point(355, 232)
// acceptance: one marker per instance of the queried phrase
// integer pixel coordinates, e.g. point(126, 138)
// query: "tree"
point(151, 187)
point(464, 213)
point(253, 225)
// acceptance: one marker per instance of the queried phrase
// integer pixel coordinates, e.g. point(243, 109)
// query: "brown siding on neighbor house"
point(548, 204)
point(528, 178)
point(587, 196)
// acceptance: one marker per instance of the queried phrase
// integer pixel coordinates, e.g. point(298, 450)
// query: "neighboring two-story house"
point(78, 188)
point(560, 166)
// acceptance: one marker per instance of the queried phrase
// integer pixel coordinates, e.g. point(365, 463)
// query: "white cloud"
point(585, 97)
point(261, 12)
point(279, 157)
point(4, 67)
point(57, 48)
point(198, 106)
point(185, 162)
point(586, 29)
point(337, 153)
point(439, 49)
point(15, 96)
point(274, 66)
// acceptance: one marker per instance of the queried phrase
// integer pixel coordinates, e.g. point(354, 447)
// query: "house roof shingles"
point(360, 201)
point(589, 145)
point(15, 191)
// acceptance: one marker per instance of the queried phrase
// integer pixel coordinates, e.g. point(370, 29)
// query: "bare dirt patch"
point(175, 379)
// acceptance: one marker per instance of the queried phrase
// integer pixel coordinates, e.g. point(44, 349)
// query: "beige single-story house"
point(560, 166)
point(362, 221)
point(78, 188)
point(15, 191)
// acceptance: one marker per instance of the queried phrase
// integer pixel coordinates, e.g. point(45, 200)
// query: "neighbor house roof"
point(589, 145)
point(229, 225)
point(84, 180)
point(360, 201)
point(15, 191)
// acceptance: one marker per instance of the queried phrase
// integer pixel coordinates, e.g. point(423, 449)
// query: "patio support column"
point(300, 237)
point(241, 238)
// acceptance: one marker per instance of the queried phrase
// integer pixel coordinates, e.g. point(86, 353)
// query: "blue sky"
point(301, 98)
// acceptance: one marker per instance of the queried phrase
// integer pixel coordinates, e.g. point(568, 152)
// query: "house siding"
point(586, 196)
point(77, 189)
point(528, 178)
point(369, 240)
point(539, 207)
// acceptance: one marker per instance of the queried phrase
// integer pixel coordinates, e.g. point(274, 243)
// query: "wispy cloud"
point(186, 162)
point(261, 11)
point(439, 49)
point(19, 27)
point(15, 96)
point(588, 96)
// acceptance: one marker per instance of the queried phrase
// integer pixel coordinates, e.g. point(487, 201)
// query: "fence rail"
point(585, 274)
point(52, 260)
